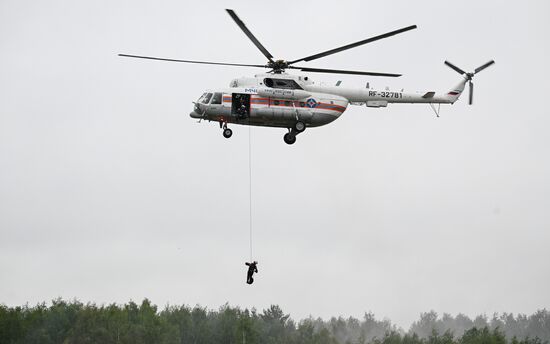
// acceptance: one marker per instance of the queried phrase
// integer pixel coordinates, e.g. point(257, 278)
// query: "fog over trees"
point(75, 322)
point(520, 325)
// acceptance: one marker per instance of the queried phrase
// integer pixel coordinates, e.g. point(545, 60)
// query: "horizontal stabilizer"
point(429, 95)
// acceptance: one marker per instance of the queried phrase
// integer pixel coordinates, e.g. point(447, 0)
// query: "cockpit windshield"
point(205, 98)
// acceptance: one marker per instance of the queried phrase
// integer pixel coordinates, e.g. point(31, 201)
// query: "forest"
point(75, 322)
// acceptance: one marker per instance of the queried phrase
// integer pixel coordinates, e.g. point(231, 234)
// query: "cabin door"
point(240, 105)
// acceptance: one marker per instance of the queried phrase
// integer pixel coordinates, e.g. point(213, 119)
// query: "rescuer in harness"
point(251, 270)
point(242, 113)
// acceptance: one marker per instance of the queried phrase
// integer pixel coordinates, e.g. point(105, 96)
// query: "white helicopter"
point(295, 102)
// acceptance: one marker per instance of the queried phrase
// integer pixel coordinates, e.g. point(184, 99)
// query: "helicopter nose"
point(193, 114)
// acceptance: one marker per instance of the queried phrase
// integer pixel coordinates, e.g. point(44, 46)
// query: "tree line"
point(75, 322)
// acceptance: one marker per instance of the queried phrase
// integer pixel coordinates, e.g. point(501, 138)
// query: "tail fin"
point(455, 92)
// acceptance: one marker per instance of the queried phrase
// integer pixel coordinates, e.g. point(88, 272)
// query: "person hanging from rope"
point(251, 270)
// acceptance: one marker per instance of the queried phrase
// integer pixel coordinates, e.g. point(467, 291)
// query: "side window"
point(302, 104)
point(217, 99)
point(288, 103)
point(276, 102)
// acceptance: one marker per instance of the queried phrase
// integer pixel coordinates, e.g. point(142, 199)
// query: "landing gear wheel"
point(289, 138)
point(227, 133)
point(300, 126)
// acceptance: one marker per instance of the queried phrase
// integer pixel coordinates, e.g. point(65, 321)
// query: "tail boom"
point(377, 98)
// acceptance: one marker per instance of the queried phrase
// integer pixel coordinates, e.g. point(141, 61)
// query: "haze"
point(109, 191)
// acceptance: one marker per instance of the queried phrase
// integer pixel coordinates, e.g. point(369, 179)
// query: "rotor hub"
point(278, 66)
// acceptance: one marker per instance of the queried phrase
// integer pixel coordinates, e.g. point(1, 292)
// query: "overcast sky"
point(109, 191)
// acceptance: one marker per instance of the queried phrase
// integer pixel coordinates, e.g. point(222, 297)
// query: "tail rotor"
point(470, 76)
point(471, 87)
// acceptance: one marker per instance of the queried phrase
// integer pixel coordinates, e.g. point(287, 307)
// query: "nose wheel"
point(227, 133)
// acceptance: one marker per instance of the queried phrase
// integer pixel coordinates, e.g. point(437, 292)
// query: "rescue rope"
point(250, 184)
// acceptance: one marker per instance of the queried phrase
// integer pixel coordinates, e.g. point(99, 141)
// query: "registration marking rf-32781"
point(385, 94)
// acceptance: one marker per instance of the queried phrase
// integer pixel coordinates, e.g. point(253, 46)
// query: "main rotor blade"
point(338, 71)
point(455, 67)
point(479, 69)
point(353, 45)
point(250, 35)
point(471, 92)
point(189, 61)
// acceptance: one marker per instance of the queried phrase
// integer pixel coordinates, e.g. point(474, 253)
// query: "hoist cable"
point(250, 185)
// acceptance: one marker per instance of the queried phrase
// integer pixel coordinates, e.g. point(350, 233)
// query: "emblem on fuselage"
point(311, 103)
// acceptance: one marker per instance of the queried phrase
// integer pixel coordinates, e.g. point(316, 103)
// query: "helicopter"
point(295, 102)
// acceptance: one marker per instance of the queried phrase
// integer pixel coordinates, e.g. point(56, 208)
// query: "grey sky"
point(110, 192)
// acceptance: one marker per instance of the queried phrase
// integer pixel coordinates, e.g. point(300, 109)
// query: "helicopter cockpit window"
point(282, 83)
point(205, 99)
point(201, 99)
point(217, 99)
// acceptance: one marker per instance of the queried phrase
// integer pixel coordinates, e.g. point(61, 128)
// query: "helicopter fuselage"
point(262, 106)
point(282, 100)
